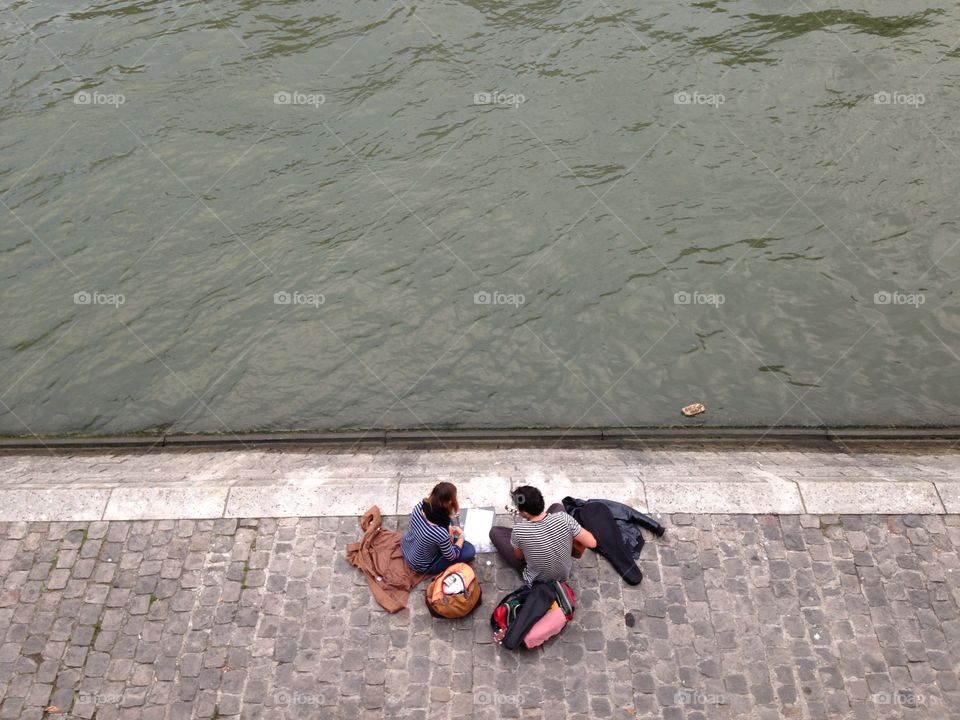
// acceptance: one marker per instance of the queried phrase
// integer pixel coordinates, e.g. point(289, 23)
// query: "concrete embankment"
point(291, 481)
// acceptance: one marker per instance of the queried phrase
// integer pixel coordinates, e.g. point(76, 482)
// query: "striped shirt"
point(547, 546)
point(424, 542)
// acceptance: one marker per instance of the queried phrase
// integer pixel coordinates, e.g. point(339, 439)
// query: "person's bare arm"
point(519, 553)
point(585, 538)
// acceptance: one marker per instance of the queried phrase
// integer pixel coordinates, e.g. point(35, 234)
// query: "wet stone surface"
point(738, 617)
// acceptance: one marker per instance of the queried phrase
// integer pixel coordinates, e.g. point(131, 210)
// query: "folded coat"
point(378, 555)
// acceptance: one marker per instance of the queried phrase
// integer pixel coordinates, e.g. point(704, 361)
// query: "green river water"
point(228, 216)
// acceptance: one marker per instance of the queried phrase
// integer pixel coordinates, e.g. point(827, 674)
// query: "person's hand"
point(456, 531)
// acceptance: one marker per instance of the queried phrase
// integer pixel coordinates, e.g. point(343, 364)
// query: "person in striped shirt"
point(432, 543)
point(541, 547)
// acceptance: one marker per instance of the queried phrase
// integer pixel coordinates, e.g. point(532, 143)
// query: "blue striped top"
point(424, 542)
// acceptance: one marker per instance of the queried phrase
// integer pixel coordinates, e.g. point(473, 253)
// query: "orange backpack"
point(454, 593)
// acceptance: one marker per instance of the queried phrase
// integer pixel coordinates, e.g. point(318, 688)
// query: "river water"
point(284, 215)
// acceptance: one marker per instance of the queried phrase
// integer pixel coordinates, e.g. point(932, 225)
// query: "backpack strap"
point(511, 603)
point(564, 598)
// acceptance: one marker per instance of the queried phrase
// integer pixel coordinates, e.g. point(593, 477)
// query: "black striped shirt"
point(424, 542)
point(547, 546)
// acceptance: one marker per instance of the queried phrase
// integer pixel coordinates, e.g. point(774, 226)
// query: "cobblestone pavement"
point(739, 616)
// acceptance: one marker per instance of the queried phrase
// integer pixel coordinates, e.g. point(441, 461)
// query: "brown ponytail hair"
point(444, 497)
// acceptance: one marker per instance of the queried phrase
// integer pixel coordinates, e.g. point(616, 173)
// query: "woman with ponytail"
point(431, 543)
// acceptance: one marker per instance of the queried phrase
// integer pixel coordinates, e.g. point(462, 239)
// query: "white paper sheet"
point(476, 528)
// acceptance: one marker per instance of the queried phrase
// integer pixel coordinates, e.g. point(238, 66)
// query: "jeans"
point(467, 553)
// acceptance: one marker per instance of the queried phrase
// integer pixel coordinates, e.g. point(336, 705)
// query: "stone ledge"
point(173, 486)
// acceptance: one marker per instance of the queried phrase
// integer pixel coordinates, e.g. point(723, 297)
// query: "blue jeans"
point(467, 553)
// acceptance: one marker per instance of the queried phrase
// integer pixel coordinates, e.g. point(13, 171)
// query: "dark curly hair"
point(528, 499)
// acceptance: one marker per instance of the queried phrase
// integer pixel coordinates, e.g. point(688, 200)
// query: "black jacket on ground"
point(629, 521)
point(598, 519)
point(535, 606)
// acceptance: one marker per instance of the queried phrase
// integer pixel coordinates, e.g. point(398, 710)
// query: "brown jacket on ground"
point(378, 555)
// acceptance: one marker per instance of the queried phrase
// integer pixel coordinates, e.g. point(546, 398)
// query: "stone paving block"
point(950, 495)
point(723, 496)
point(304, 499)
point(865, 497)
point(60, 503)
point(158, 503)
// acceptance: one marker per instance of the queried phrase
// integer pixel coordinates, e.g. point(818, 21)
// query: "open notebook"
point(476, 524)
